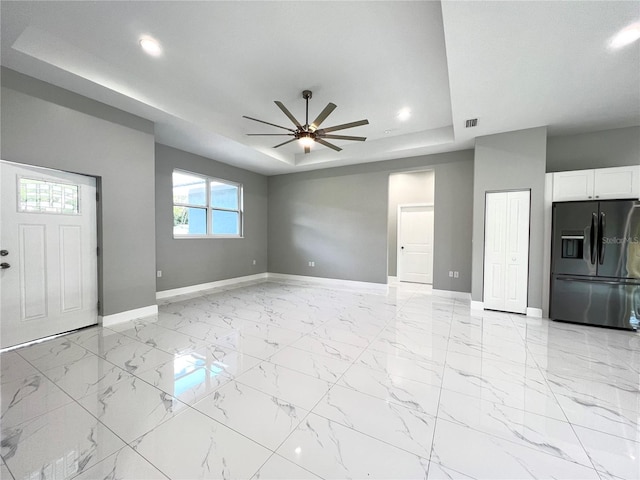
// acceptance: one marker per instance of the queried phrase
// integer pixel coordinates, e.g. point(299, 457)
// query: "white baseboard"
point(392, 280)
point(452, 294)
point(328, 282)
point(534, 312)
point(209, 285)
point(116, 318)
point(477, 305)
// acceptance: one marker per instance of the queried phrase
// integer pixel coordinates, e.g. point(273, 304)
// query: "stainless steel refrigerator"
point(595, 272)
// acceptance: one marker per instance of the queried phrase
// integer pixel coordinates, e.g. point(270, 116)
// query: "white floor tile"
point(58, 444)
point(331, 450)
point(264, 418)
point(113, 407)
point(323, 367)
point(484, 456)
point(89, 375)
point(389, 422)
point(53, 353)
point(186, 379)
point(340, 383)
point(125, 464)
point(14, 367)
point(545, 434)
point(610, 454)
point(192, 445)
point(277, 468)
point(402, 391)
point(289, 385)
point(27, 398)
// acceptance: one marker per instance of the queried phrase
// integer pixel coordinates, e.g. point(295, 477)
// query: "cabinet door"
point(617, 182)
point(574, 185)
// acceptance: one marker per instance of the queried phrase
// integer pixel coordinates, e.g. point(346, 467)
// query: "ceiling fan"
point(309, 132)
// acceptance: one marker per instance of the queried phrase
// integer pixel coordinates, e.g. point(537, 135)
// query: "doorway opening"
point(411, 225)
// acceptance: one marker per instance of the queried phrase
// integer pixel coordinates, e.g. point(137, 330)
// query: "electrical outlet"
point(456, 274)
point(451, 273)
point(254, 262)
point(159, 274)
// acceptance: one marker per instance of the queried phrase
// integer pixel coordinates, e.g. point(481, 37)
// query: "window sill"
point(204, 237)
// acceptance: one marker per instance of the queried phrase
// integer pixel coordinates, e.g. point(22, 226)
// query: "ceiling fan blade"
point(327, 144)
point(272, 124)
point(343, 126)
point(288, 113)
point(269, 134)
point(307, 149)
point(284, 143)
point(323, 115)
point(343, 137)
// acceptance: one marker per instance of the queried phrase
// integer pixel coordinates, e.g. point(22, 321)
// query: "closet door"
point(506, 259)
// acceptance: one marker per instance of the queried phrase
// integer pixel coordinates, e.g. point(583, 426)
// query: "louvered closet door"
point(506, 260)
point(48, 234)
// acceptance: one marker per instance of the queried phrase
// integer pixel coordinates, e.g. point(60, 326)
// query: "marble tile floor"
point(291, 381)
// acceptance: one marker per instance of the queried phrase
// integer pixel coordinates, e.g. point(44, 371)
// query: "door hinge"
point(97, 197)
point(98, 251)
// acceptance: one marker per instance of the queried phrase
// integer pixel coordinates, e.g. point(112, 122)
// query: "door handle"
point(603, 223)
point(592, 238)
point(4, 265)
point(4, 253)
point(401, 248)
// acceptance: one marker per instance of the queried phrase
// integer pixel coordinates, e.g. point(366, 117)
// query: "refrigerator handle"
point(592, 238)
point(601, 238)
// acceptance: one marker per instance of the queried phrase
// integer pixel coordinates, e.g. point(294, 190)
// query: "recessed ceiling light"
point(404, 114)
point(151, 46)
point(626, 36)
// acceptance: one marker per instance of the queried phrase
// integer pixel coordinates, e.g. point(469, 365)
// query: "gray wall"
point(607, 148)
point(338, 218)
point(511, 161)
point(46, 126)
point(187, 262)
point(411, 187)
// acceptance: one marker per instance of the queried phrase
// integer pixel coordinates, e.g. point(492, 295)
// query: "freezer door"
point(595, 301)
point(619, 239)
point(574, 238)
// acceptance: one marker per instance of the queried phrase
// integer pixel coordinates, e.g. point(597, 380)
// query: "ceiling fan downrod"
point(307, 94)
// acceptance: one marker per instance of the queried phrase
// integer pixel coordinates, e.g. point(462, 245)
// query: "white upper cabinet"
point(618, 182)
point(576, 185)
point(598, 184)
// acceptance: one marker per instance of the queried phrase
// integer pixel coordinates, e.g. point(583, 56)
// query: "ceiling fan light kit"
point(310, 133)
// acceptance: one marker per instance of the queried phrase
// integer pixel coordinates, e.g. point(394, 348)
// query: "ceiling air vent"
point(472, 122)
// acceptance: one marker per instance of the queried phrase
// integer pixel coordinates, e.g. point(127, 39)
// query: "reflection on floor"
point(290, 381)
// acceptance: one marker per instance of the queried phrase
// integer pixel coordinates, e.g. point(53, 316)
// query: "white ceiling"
point(512, 64)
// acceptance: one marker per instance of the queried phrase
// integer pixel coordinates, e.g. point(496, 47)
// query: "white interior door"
point(506, 257)
point(48, 237)
point(415, 243)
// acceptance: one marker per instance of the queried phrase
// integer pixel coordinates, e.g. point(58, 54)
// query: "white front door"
point(415, 244)
point(506, 251)
point(48, 238)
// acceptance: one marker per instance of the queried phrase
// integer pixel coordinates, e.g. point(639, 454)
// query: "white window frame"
point(209, 209)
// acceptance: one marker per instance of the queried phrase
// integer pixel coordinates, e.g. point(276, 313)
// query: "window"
point(206, 207)
point(39, 196)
